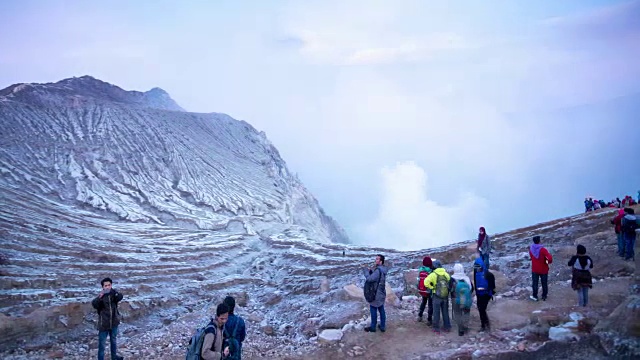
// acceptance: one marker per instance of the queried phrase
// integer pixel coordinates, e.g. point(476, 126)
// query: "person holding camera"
point(106, 303)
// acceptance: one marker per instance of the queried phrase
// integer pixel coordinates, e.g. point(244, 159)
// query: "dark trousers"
point(374, 317)
point(543, 279)
point(102, 339)
point(424, 303)
point(483, 302)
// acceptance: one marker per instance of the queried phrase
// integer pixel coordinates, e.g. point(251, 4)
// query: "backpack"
point(233, 343)
point(422, 289)
point(194, 349)
point(482, 285)
point(371, 288)
point(629, 226)
point(463, 294)
point(442, 286)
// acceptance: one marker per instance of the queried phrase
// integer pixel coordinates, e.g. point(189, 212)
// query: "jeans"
point(483, 302)
point(629, 244)
point(621, 244)
point(461, 317)
point(543, 278)
point(374, 317)
point(485, 260)
point(583, 296)
point(441, 306)
point(427, 302)
point(102, 338)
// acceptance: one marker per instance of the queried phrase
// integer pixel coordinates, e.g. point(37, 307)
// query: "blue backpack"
point(194, 349)
point(482, 285)
point(463, 294)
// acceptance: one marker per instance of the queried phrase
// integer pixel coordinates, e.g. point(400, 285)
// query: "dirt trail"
point(406, 338)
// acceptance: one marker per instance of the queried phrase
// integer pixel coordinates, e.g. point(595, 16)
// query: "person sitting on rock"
point(106, 303)
point(377, 275)
point(540, 260)
point(438, 282)
point(581, 280)
point(484, 283)
point(212, 346)
point(484, 246)
point(423, 273)
point(461, 298)
point(234, 330)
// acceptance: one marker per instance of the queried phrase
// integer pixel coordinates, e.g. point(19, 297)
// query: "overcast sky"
point(413, 122)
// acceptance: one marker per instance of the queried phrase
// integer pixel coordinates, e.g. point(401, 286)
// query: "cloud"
point(408, 219)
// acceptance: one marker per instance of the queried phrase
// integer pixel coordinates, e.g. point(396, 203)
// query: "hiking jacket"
point(430, 281)
point(485, 247)
point(617, 222)
point(491, 279)
point(107, 306)
point(212, 344)
point(241, 331)
point(540, 264)
point(379, 273)
point(581, 275)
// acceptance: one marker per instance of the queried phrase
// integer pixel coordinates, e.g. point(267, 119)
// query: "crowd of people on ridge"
point(591, 205)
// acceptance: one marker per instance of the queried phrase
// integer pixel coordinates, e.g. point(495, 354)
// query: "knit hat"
point(437, 264)
point(426, 261)
point(581, 250)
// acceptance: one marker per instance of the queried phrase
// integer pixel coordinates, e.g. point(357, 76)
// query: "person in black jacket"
point(581, 280)
point(106, 303)
point(484, 283)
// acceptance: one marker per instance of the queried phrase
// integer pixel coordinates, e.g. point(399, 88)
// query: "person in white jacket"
point(461, 298)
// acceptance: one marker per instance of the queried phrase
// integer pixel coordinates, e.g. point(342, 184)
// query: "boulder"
point(564, 334)
point(338, 315)
point(329, 336)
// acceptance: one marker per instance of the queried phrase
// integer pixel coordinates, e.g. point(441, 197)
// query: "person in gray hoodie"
point(377, 275)
point(628, 228)
point(484, 245)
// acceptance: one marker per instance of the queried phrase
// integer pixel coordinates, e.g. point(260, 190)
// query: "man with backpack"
point(438, 282)
point(234, 330)
point(540, 260)
point(628, 228)
point(485, 287)
point(106, 303)
point(424, 272)
point(207, 343)
point(375, 293)
point(461, 298)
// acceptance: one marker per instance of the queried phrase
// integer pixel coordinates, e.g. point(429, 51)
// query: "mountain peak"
point(88, 88)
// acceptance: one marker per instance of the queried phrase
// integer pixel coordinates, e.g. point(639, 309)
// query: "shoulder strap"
point(235, 328)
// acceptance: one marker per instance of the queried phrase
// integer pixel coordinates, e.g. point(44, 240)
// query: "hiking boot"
point(447, 330)
point(533, 298)
point(436, 331)
point(381, 329)
point(544, 298)
point(369, 329)
point(419, 318)
point(429, 323)
point(460, 333)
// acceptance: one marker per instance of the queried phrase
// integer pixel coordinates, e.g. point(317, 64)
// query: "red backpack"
point(421, 288)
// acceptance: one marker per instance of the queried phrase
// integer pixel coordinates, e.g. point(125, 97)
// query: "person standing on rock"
point(461, 297)
point(106, 303)
point(581, 280)
point(484, 246)
point(484, 283)
point(214, 335)
point(423, 273)
point(617, 227)
point(439, 282)
point(377, 275)
point(540, 260)
point(234, 330)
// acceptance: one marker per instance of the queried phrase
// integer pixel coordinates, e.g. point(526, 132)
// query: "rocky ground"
point(308, 305)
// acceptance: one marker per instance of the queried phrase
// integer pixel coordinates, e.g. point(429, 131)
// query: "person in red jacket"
point(617, 222)
point(540, 260)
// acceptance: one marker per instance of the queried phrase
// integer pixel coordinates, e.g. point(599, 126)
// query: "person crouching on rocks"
point(376, 293)
point(581, 280)
point(106, 303)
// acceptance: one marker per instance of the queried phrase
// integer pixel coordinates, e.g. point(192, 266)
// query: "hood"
point(535, 250)
point(478, 264)
point(436, 264)
point(621, 212)
point(425, 268)
point(440, 271)
point(383, 269)
point(458, 273)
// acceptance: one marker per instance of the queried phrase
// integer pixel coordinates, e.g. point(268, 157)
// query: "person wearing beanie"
point(423, 273)
point(540, 260)
point(235, 330)
point(484, 245)
point(581, 280)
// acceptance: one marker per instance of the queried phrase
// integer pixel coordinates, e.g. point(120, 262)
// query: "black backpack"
point(371, 288)
point(629, 226)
